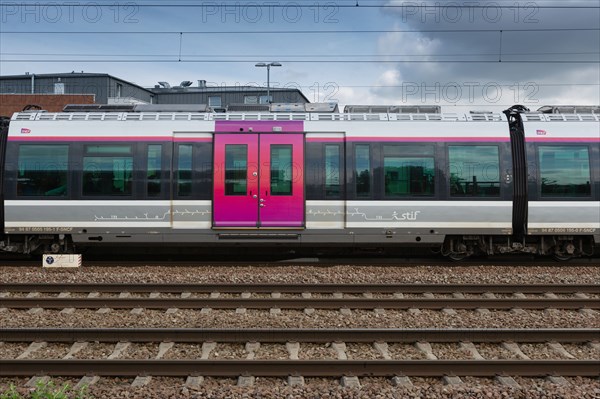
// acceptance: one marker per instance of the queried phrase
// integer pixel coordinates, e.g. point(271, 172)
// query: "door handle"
point(262, 200)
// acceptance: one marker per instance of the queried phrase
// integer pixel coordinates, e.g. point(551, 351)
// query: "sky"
point(461, 55)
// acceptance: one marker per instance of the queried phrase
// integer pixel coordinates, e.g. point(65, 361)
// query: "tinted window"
point(184, 170)
point(408, 176)
point(332, 170)
point(281, 169)
point(236, 169)
point(108, 171)
point(42, 170)
point(474, 170)
point(154, 170)
point(564, 171)
point(408, 170)
point(362, 170)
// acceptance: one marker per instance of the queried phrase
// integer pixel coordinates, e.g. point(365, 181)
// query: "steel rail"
point(296, 335)
point(299, 288)
point(299, 303)
point(307, 368)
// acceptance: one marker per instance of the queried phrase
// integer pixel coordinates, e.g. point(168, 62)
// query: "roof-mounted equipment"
point(392, 109)
point(569, 109)
point(305, 107)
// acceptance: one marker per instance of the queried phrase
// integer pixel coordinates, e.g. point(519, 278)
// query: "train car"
point(481, 183)
point(563, 189)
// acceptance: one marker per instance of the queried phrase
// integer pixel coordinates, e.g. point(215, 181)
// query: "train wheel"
point(562, 257)
point(457, 257)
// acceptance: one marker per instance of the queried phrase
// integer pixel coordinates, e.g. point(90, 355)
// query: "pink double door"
point(258, 180)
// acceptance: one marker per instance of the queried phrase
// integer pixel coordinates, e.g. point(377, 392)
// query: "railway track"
point(385, 366)
point(309, 368)
point(300, 296)
point(300, 288)
point(298, 303)
point(71, 335)
point(394, 300)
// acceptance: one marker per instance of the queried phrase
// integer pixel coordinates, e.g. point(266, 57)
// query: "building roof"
point(73, 75)
point(159, 90)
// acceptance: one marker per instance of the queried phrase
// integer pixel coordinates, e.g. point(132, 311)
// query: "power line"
point(299, 32)
point(278, 56)
point(316, 61)
point(351, 4)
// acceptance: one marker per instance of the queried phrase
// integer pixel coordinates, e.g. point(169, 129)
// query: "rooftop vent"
point(570, 109)
point(172, 108)
point(98, 108)
point(392, 109)
point(199, 108)
point(248, 108)
point(304, 107)
point(166, 85)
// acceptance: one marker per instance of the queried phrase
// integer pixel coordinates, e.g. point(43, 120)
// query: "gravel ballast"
point(315, 388)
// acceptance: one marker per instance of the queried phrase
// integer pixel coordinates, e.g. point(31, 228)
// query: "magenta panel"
point(416, 139)
point(255, 206)
point(282, 210)
point(235, 210)
point(259, 126)
point(89, 138)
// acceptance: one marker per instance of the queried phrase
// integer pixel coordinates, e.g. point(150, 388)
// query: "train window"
point(281, 169)
point(42, 170)
point(408, 176)
point(362, 170)
point(184, 170)
point(474, 170)
point(332, 170)
point(408, 150)
point(108, 149)
point(107, 170)
point(236, 169)
point(564, 171)
point(153, 174)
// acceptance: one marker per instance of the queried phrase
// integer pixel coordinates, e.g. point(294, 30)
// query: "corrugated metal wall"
point(227, 97)
point(101, 87)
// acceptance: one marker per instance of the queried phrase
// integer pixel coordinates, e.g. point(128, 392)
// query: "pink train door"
point(258, 180)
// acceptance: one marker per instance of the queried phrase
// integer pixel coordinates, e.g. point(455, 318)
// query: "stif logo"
point(540, 132)
point(24, 130)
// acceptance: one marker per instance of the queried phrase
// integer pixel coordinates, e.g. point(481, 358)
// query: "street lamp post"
point(268, 66)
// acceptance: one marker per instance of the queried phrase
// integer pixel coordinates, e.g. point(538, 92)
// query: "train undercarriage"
point(561, 248)
point(456, 248)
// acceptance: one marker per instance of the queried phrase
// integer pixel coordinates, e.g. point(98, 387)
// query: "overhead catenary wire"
point(291, 32)
point(346, 4)
point(314, 61)
point(253, 56)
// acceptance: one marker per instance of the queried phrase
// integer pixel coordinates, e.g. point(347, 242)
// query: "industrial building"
point(54, 91)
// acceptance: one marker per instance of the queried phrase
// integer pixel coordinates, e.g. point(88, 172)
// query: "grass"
point(46, 390)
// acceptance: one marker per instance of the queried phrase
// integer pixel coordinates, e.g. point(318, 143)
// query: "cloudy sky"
point(458, 54)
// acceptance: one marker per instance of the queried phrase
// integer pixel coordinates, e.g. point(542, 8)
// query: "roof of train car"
point(305, 116)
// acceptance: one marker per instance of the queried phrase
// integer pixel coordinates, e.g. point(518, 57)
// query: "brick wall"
point(11, 103)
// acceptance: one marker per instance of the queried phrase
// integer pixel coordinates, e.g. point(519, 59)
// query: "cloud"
point(436, 81)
